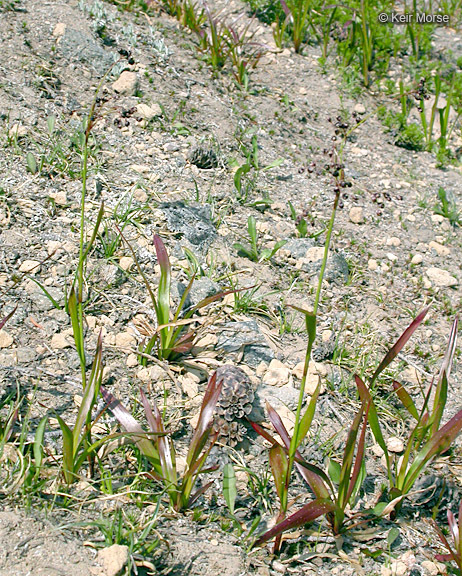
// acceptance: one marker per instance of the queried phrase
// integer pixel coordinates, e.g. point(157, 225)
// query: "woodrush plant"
point(284, 457)
point(160, 450)
point(427, 438)
point(169, 339)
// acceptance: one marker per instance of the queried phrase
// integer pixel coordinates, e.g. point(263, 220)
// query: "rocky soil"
point(166, 142)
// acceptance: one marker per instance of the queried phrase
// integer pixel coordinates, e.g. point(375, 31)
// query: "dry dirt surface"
point(160, 112)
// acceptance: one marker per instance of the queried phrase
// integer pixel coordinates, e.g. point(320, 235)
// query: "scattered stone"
point(277, 374)
point(392, 257)
point(359, 108)
point(439, 248)
point(441, 277)
point(132, 360)
point(126, 83)
point(393, 241)
point(5, 339)
point(398, 568)
point(189, 386)
point(59, 30)
point(125, 339)
point(171, 147)
point(356, 215)
point(126, 262)
point(192, 222)
point(372, 264)
point(148, 112)
point(437, 218)
point(113, 559)
point(61, 340)
point(430, 568)
point(30, 266)
point(417, 259)
point(17, 131)
point(79, 46)
point(245, 338)
point(395, 444)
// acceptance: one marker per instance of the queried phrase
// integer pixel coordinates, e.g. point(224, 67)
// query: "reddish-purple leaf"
point(127, 421)
point(307, 514)
point(163, 294)
point(311, 478)
point(359, 456)
point(450, 349)
point(348, 456)
point(279, 466)
point(4, 320)
point(263, 433)
point(163, 444)
point(400, 343)
point(204, 424)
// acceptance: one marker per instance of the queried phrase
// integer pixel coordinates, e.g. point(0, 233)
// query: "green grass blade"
point(90, 393)
point(68, 451)
point(95, 231)
point(406, 400)
point(76, 326)
point(229, 487)
point(38, 443)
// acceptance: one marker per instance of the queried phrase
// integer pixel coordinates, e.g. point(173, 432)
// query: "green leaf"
point(68, 451)
point(76, 327)
point(392, 535)
point(31, 163)
point(89, 394)
point(38, 442)
point(51, 120)
point(229, 486)
point(334, 470)
point(405, 398)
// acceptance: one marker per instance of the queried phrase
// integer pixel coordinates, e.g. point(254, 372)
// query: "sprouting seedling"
point(253, 252)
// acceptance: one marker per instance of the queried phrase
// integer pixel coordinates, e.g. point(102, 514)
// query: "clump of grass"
point(160, 450)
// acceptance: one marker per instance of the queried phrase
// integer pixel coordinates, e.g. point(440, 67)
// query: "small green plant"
point(447, 207)
point(77, 445)
point(169, 339)
point(253, 252)
point(427, 438)
point(160, 450)
point(454, 553)
point(247, 174)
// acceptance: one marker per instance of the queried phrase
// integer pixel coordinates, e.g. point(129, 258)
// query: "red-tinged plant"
point(333, 495)
point(427, 437)
point(169, 339)
point(160, 450)
point(454, 554)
